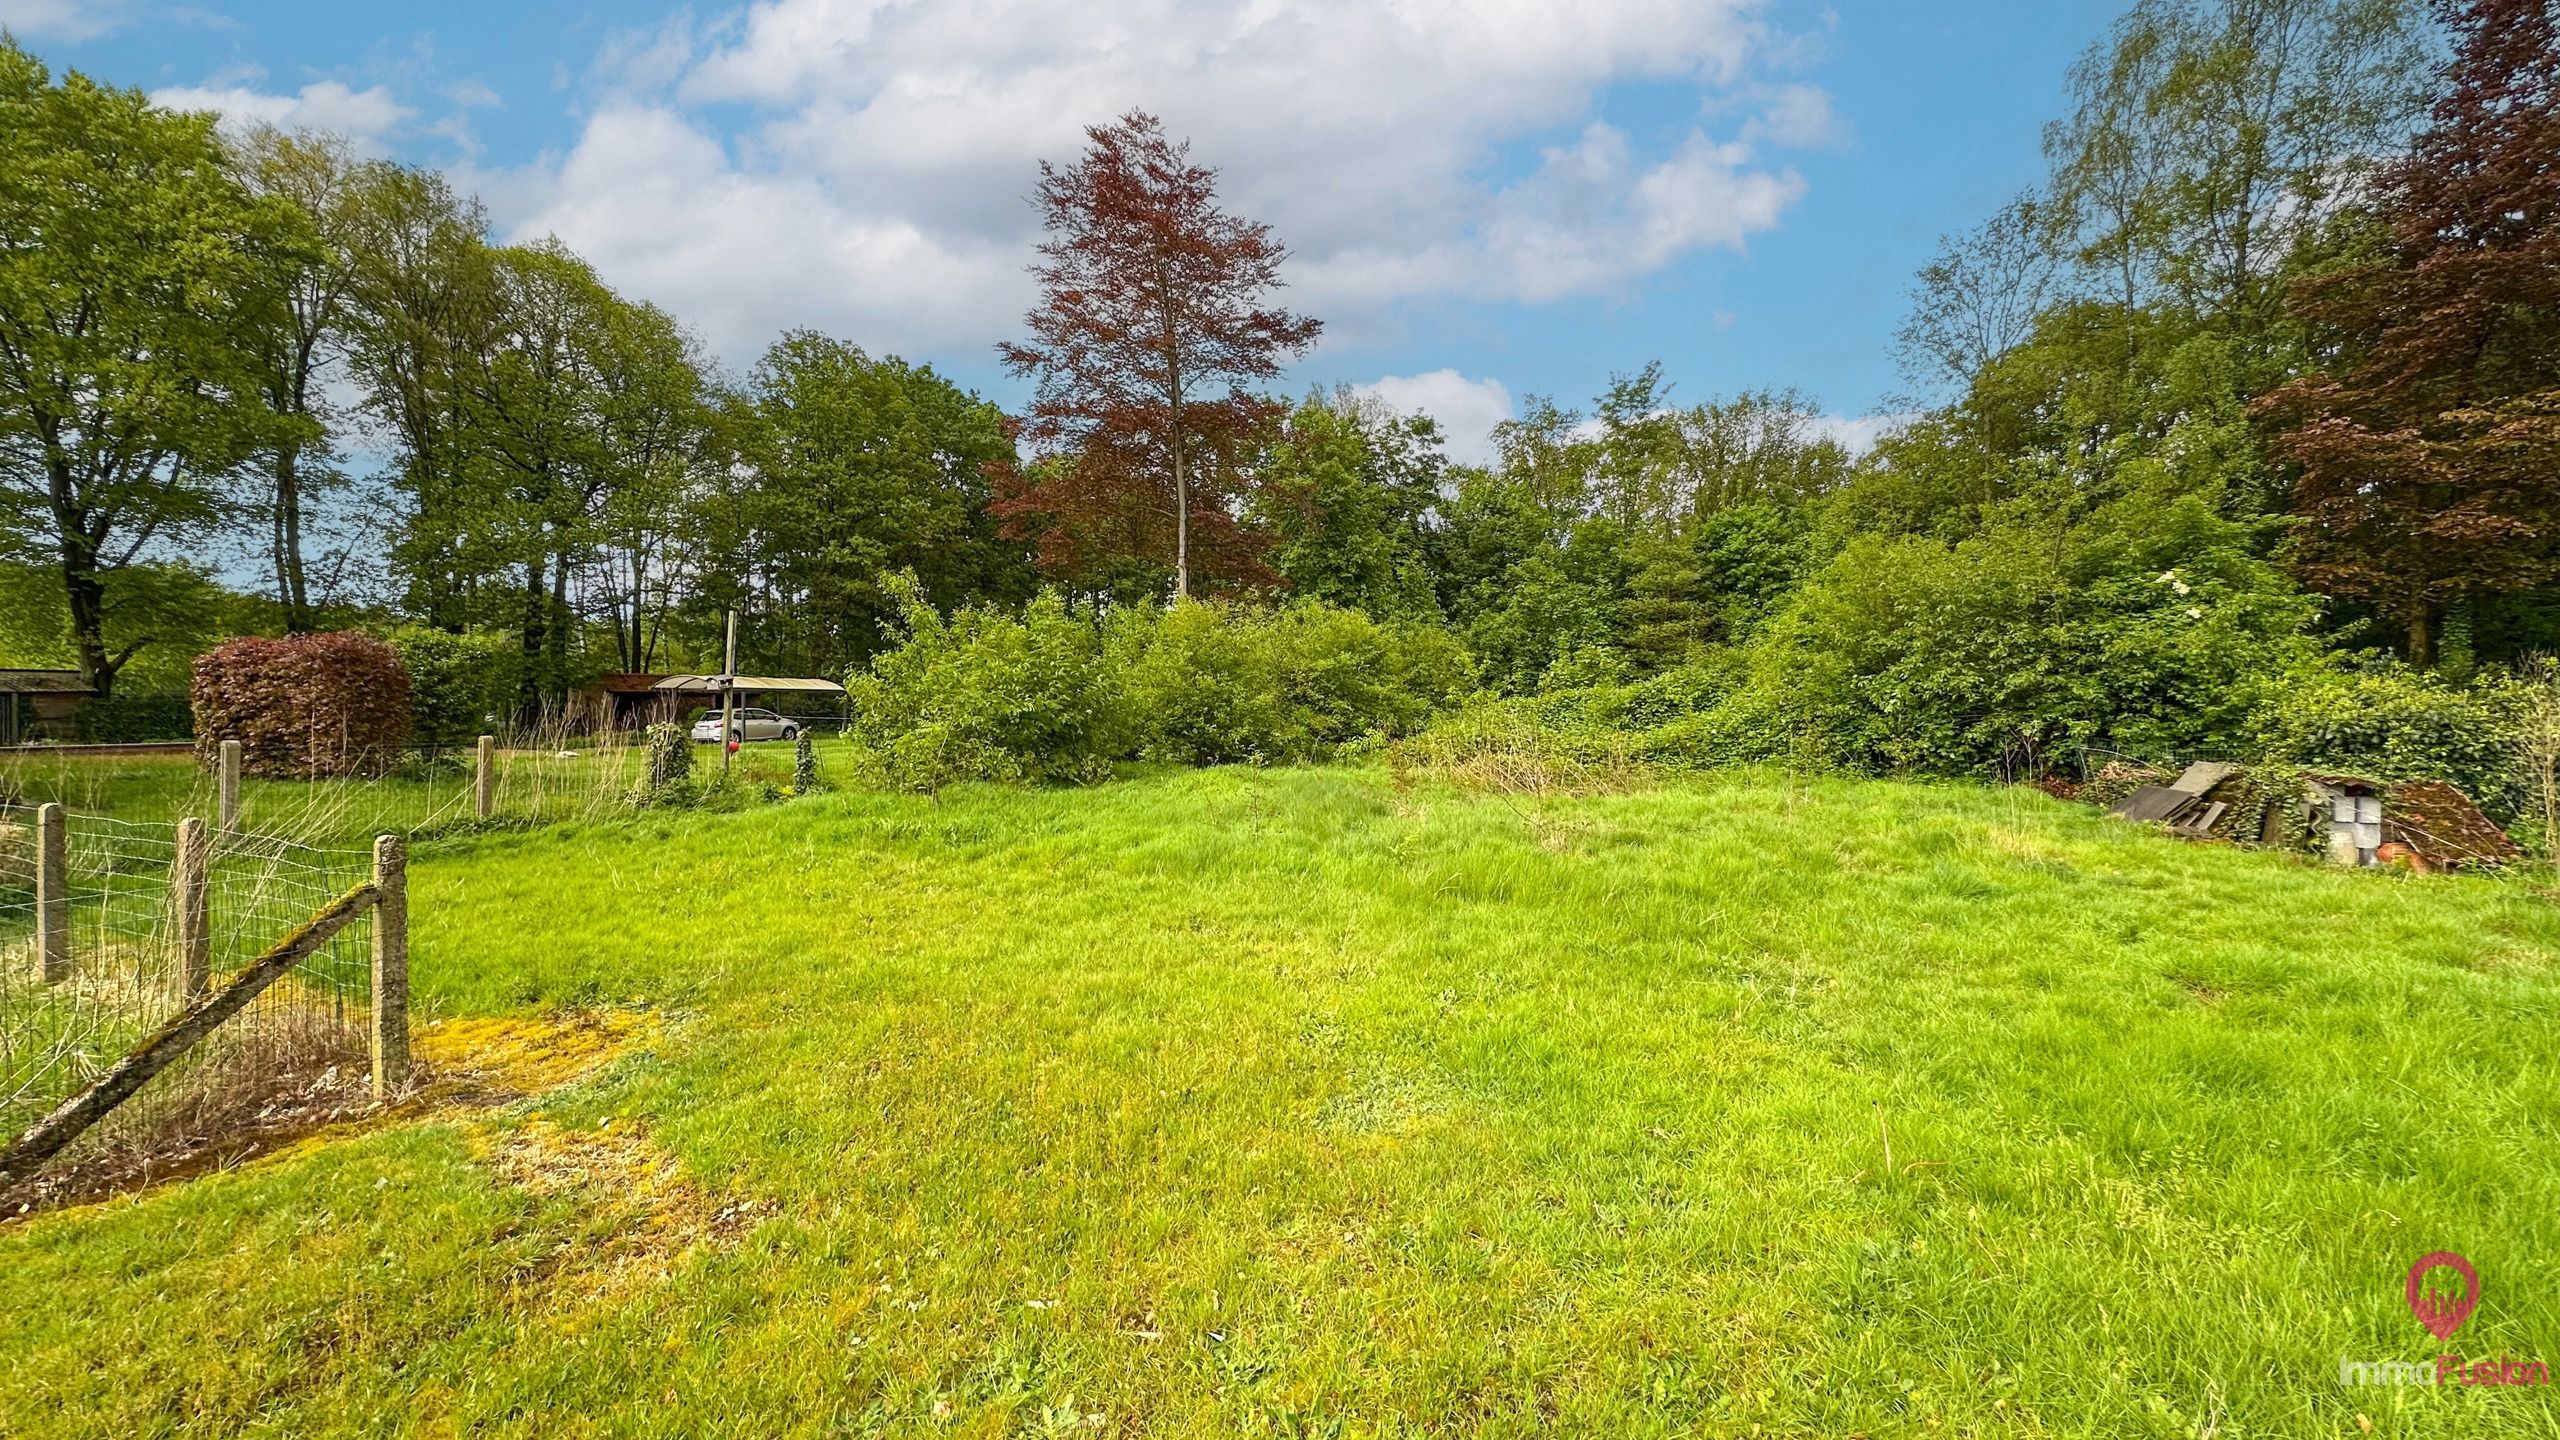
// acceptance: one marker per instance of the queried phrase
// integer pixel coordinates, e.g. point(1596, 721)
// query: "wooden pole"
point(53, 893)
point(190, 888)
point(729, 698)
point(229, 813)
point(390, 966)
point(485, 778)
point(46, 1137)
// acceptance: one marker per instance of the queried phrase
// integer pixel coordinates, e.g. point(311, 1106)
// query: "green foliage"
point(164, 615)
point(804, 764)
point(666, 766)
point(2140, 628)
point(459, 685)
point(987, 694)
point(2391, 721)
point(1347, 488)
point(132, 271)
point(856, 467)
point(1054, 693)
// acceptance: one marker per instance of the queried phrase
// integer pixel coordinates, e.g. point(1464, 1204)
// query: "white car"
point(751, 725)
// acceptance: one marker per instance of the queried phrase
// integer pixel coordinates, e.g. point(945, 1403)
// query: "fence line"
point(112, 931)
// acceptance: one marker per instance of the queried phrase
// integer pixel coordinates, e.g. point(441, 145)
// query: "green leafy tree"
point(1350, 489)
point(426, 308)
point(305, 329)
point(856, 468)
point(131, 278)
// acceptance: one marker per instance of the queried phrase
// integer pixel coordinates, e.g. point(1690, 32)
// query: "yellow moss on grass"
point(529, 1054)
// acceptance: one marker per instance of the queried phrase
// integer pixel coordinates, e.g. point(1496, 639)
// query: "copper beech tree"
point(2427, 449)
point(1153, 328)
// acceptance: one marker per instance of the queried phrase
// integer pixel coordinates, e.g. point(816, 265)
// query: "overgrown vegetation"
point(1060, 692)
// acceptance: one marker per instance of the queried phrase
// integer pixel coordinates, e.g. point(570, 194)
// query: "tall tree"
point(856, 468)
point(2207, 136)
point(1151, 327)
point(2428, 454)
point(132, 262)
point(1978, 298)
point(425, 298)
point(306, 328)
point(1351, 489)
point(655, 418)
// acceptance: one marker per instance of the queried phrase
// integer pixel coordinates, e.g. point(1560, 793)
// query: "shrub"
point(804, 764)
point(667, 762)
point(2382, 719)
point(303, 705)
point(2143, 628)
point(458, 684)
point(989, 695)
point(1058, 694)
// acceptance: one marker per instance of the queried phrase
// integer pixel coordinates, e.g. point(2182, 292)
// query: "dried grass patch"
point(303, 1077)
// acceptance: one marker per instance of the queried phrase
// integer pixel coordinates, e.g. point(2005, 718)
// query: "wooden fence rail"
point(385, 894)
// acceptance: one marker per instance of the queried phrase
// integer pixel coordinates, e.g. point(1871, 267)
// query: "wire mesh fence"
point(133, 953)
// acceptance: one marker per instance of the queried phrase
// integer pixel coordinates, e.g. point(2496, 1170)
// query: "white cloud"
point(1466, 409)
point(657, 206)
point(1384, 142)
point(364, 116)
point(1801, 117)
point(1858, 434)
point(61, 19)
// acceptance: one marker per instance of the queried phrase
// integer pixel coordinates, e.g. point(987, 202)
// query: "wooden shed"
point(40, 704)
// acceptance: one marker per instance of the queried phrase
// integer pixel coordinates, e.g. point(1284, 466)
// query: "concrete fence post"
point(229, 780)
point(484, 793)
point(190, 890)
point(390, 966)
point(53, 893)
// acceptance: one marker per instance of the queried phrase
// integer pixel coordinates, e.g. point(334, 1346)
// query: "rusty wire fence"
point(151, 917)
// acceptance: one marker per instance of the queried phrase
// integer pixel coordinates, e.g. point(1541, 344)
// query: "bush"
point(2387, 721)
point(2144, 628)
point(303, 705)
point(1057, 694)
point(668, 758)
point(989, 695)
point(457, 683)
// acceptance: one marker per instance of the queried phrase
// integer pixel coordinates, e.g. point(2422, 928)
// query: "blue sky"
point(1488, 198)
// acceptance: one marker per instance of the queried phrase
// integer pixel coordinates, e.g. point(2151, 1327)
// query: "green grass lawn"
point(1294, 1103)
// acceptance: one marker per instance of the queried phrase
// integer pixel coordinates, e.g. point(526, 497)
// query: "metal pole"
point(729, 697)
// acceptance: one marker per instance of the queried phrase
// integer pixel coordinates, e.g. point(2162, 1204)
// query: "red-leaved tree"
point(2427, 452)
point(1151, 330)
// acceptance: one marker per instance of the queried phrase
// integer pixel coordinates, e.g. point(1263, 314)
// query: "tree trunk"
point(2422, 636)
point(537, 618)
point(87, 595)
point(291, 592)
point(1181, 485)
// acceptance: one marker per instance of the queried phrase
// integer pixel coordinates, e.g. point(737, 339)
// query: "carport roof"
point(710, 684)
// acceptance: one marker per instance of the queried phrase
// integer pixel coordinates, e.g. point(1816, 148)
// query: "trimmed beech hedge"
point(303, 706)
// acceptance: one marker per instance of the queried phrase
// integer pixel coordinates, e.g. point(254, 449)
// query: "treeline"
point(2240, 431)
point(260, 354)
point(2240, 434)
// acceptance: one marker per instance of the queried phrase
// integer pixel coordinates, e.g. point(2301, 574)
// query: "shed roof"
point(710, 684)
point(43, 682)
